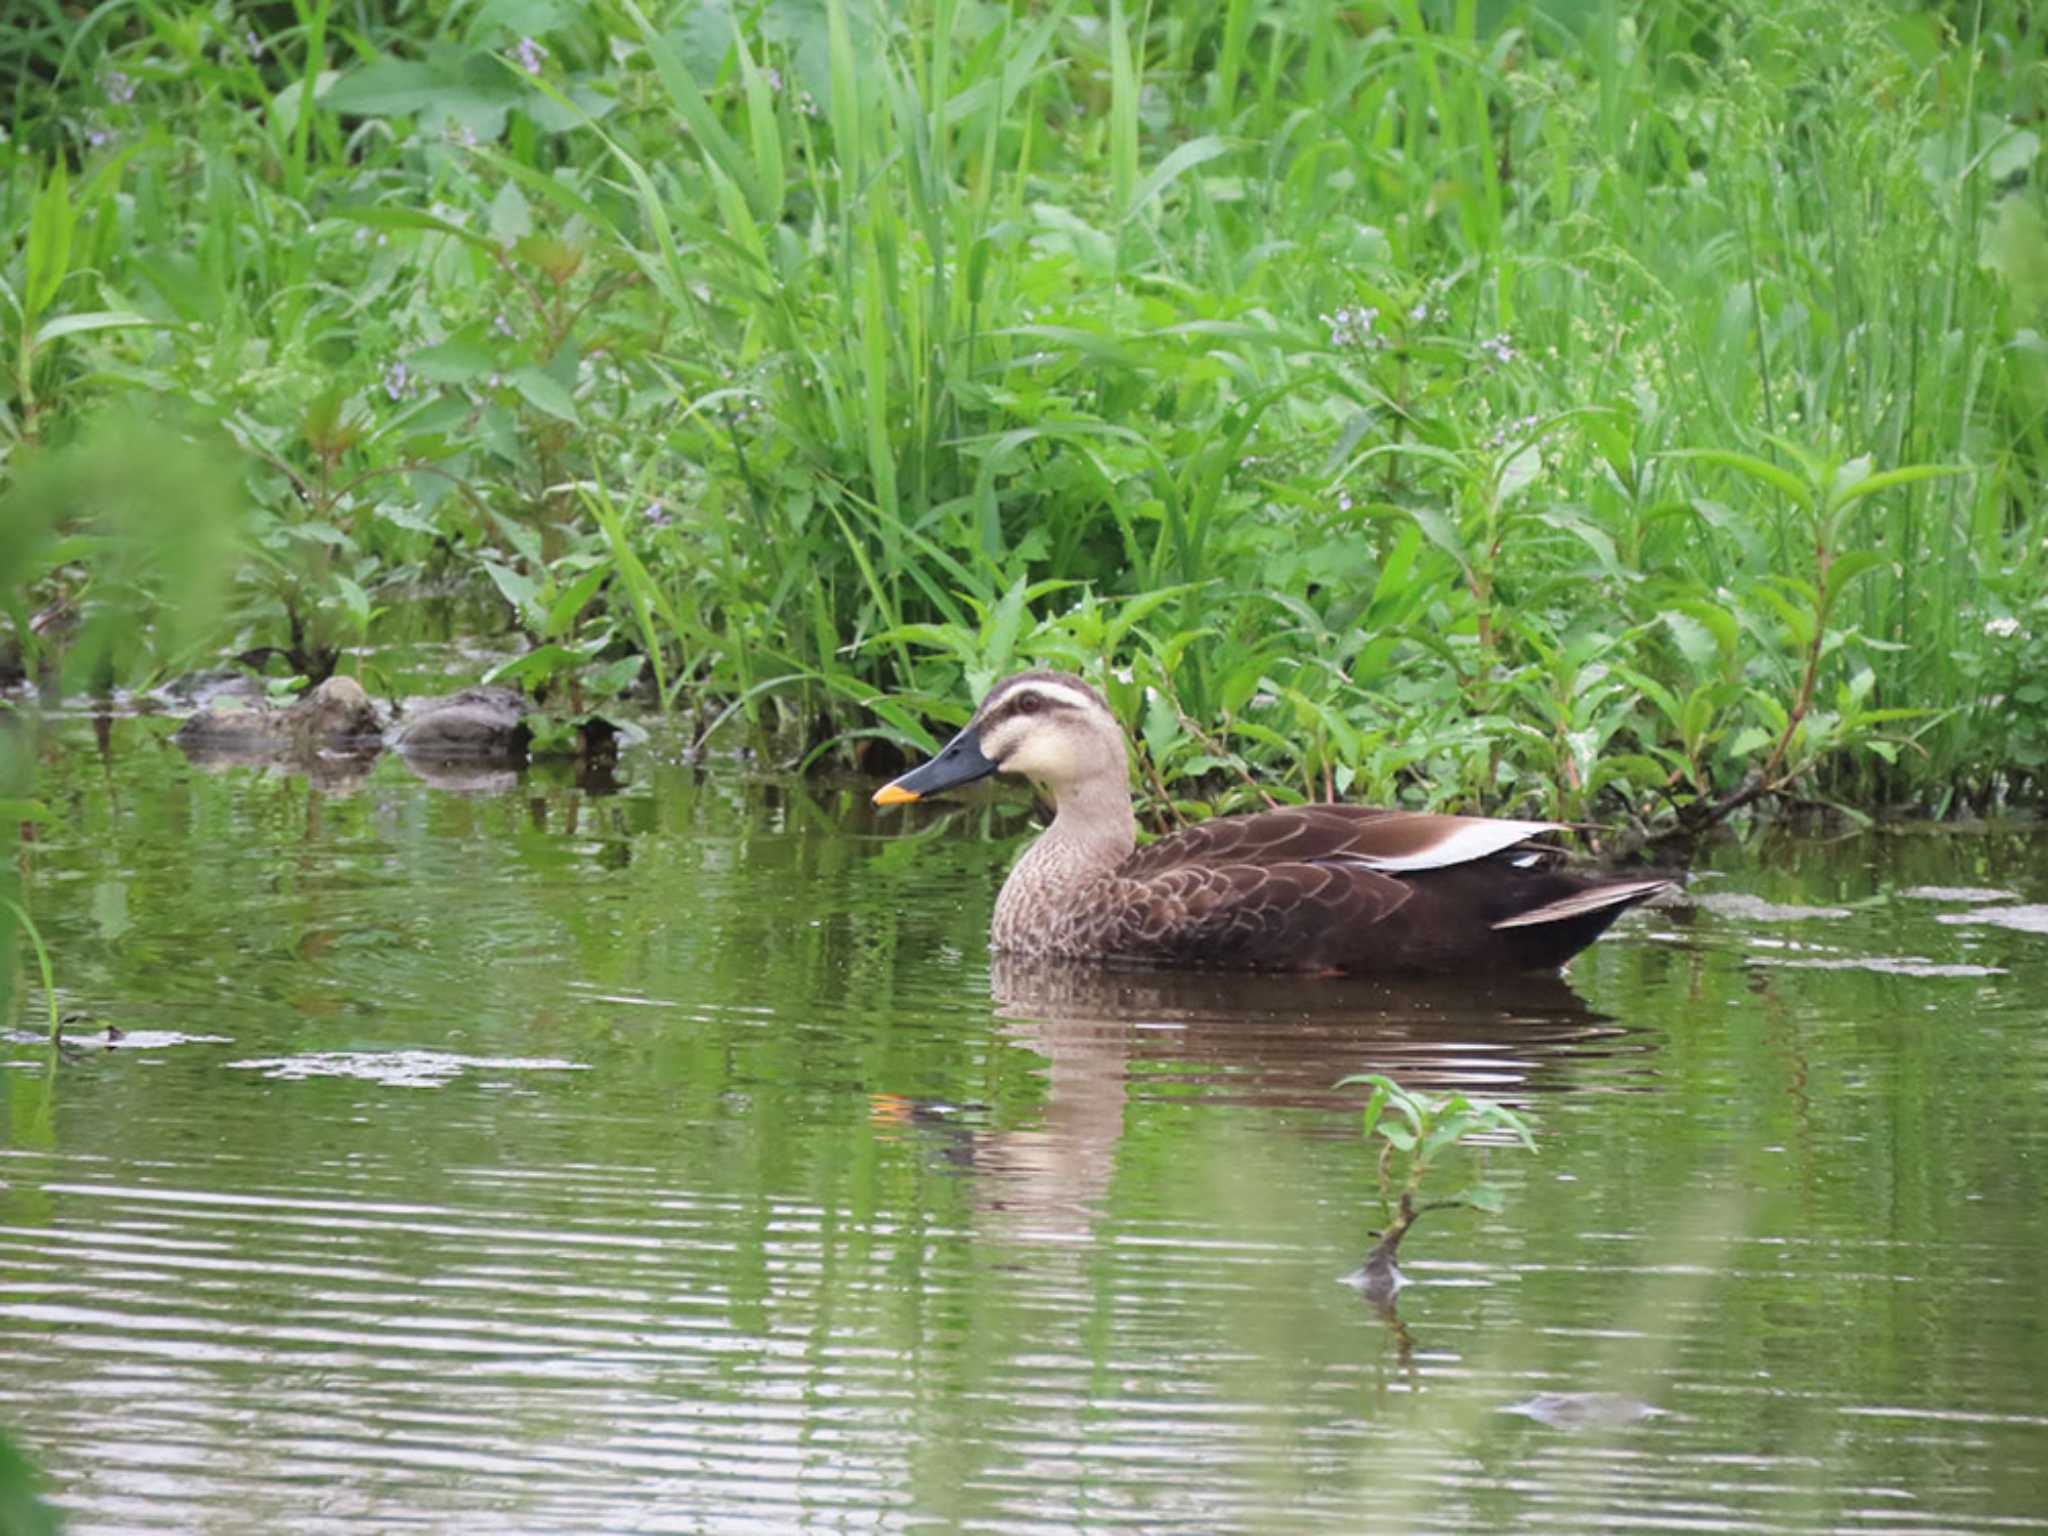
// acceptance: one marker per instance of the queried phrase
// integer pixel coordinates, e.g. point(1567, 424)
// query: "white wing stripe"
point(1473, 837)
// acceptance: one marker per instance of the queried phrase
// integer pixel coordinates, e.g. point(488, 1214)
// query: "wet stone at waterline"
point(676, 1159)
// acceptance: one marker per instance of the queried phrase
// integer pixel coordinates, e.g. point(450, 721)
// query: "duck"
point(1317, 888)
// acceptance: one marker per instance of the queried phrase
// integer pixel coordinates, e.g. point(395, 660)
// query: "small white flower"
point(2002, 629)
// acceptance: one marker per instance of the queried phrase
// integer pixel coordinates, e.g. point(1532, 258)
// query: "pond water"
point(672, 1159)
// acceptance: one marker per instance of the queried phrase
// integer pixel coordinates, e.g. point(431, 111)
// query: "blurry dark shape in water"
point(2032, 919)
point(484, 724)
point(1585, 1410)
point(337, 716)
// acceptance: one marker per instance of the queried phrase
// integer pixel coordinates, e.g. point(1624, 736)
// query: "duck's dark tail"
point(1617, 896)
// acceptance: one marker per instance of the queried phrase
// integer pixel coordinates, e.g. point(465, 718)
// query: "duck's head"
point(1048, 726)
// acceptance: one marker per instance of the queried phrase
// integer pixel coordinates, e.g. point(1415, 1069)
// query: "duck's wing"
point(1386, 842)
point(1282, 914)
point(1296, 887)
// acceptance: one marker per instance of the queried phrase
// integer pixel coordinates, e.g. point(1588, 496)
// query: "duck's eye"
point(1029, 704)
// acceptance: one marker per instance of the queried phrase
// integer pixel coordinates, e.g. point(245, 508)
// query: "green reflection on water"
point(674, 1158)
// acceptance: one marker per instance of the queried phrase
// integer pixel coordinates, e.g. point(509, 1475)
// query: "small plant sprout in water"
point(1422, 1130)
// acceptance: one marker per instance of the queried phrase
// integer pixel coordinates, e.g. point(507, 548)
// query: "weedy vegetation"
point(1416, 1131)
point(1602, 412)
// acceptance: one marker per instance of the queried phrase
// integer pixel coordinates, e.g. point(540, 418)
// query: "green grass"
point(811, 365)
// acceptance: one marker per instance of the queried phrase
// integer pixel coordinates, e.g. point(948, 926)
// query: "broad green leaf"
point(1749, 464)
point(1886, 479)
point(571, 600)
point(94, 320)
point(541, 392)
point(1846, 567)
point(1520, 471)
point(1750, 739)
point(1440, 531)
point(354, 599)
point(455, 361)
point(47, 258)
point(381, 217)
point(1446, 1132)
point(518, 589)
point(1800, 621)
point(1594, 538)
point(1723, 625)
point(1183, 158)
point(1003, 627)
point(616, 677)
point(538, 665)
point(1692, 638)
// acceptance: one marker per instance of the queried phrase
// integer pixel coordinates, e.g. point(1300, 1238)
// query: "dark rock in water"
point(476, 723)
point(336, 716)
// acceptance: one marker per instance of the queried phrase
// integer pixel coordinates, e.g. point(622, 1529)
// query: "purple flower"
point(1354, 328)
point(97, 137)
point(1500, 349)
point(397, 381)
point(120, 89)
point(530, 55)
point(658, 515)
point(253, 44)
point(500, 324)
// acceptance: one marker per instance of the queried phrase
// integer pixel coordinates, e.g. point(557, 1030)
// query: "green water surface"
point(531, 1159)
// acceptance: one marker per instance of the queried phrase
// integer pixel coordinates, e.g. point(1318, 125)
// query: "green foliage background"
point(1597, 410)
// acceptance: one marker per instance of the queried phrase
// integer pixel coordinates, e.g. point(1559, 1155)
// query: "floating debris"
point(1973, 893)
point(399, 1069)
point(1754, 909)
point(2033, 919)
point(1886, 965)
point(1585, 1410)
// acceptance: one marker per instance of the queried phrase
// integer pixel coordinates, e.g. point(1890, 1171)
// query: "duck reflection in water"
point(1112, 1037)
point(1115, 1040)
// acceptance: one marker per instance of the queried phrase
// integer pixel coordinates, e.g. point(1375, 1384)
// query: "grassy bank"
point(1592, 410)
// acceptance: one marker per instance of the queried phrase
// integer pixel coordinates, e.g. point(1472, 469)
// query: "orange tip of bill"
point(890, 794)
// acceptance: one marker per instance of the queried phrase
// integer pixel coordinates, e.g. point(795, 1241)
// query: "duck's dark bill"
point(961, 762)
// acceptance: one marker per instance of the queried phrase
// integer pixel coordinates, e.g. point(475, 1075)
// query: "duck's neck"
point(1093, 831)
